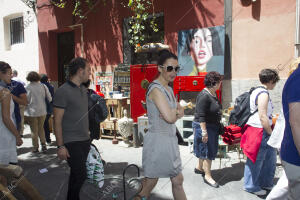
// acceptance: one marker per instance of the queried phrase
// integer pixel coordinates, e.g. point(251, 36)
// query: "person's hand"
point(179, 111)
point(19, 141)
point(205, 139)
point(63, 153)
point(204, 136)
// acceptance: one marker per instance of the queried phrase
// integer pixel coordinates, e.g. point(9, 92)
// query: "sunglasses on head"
point(171, 68)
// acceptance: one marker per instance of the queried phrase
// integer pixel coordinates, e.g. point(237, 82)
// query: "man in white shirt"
point(15, 77)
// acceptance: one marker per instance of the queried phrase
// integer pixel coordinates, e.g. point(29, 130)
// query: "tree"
point(140, 13)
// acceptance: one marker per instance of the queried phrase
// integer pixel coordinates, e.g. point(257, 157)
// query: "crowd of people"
point(161, 156)
point(19, 102)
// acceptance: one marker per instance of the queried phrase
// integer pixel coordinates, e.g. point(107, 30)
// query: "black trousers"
point(46, 128)
point(78, 154)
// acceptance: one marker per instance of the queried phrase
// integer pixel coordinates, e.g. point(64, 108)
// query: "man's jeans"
point(78, 154)
point(261, 173)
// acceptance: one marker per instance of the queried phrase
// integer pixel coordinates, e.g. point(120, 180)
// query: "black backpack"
point(241, 111)
point(99, 108)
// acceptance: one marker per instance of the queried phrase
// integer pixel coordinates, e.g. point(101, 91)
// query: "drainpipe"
point(81, 37)
point(297, 41)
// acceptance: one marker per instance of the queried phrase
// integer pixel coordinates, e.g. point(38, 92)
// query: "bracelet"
point(60, 146)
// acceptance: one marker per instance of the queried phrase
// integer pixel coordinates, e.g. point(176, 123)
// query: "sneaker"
point(260, 192)
point(268, 188)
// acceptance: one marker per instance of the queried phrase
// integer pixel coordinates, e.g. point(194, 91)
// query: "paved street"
point(53, 184)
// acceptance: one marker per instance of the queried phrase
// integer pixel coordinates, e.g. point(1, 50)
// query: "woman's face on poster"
point(201, 46)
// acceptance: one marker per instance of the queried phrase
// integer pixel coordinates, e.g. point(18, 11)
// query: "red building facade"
point(99, 37)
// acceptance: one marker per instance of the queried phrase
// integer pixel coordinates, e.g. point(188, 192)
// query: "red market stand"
point(140, 74)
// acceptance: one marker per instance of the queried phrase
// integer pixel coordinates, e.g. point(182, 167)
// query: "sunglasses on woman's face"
point(171, 68)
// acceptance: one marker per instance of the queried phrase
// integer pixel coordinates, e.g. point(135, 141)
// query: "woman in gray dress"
point(161, 157)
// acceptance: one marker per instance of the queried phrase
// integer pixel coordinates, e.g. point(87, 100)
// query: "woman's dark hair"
point(44, 78)
point(4, 67)
point(216, 42)
point(165, 55)
point(33, 77)
point(268, 76)
point(87, 84)
point(75, 64)
point(212, 78)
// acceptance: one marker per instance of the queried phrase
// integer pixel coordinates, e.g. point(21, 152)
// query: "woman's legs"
point(33, 123)
point(261, 173)
point(200, 165)
point(177, 187)
point(148, 185)
point(41, 133)
point(207, 170)
point(46, 128)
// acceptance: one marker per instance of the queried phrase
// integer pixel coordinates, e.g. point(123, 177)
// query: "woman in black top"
point(206, 126)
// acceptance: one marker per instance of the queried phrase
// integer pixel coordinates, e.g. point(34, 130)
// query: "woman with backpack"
point(207, 126)
point(261, 158)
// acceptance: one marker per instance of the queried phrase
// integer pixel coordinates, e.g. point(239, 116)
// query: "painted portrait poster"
point(201, 50)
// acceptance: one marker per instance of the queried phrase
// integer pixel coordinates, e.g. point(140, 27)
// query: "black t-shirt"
point(208, 108)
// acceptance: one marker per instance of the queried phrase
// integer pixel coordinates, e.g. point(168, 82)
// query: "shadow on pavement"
point(229, 174)
point(53, 184)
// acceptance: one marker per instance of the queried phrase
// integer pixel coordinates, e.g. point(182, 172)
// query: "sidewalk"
point(53, 184)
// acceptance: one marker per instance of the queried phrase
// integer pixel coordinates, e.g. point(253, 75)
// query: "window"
point(16, 31)
point(129, 56)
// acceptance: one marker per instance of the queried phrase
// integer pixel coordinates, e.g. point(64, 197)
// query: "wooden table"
point(116, 107)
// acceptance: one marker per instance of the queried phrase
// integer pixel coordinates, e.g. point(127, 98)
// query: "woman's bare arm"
point(5, 107)
point(168, 114)
point(262, 104)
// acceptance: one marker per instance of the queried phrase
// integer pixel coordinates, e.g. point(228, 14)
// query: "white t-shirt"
point(254, 120)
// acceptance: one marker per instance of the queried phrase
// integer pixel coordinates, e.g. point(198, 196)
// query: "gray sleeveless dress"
point(161, 157)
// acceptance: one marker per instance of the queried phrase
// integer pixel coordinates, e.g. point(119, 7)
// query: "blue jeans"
point(261, 173)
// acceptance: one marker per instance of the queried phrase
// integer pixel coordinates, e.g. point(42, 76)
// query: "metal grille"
point(16, 31)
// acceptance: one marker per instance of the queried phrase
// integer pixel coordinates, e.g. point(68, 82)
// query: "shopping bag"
point(94, 167)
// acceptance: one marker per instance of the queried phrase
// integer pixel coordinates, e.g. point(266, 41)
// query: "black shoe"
point(215, 185)
point(197, 171)
point(44, 148)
